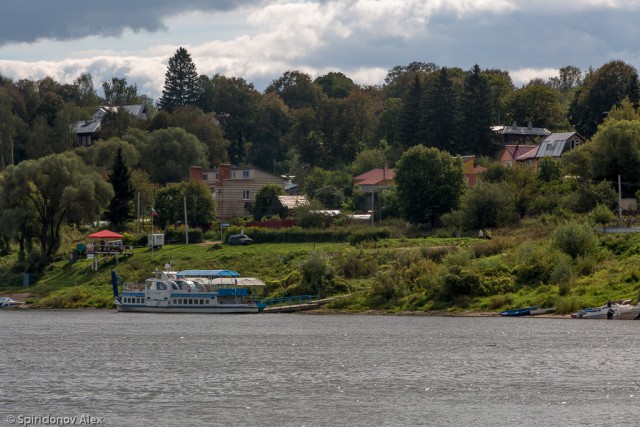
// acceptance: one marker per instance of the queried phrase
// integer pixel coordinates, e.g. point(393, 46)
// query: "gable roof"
point(553, 145)
point(516, 150)
point(375, 177)
point(87, 126)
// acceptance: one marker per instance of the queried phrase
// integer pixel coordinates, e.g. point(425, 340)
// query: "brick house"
point(234, 188)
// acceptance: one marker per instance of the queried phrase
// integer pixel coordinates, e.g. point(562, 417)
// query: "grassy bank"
point(518, 267)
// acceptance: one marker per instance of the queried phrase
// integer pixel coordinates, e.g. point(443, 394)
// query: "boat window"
point(174, 286)
point(161, 286)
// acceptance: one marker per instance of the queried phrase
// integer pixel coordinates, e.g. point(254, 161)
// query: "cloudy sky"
point(259, 40)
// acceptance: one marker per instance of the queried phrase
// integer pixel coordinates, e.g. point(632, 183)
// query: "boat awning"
point(207, 273)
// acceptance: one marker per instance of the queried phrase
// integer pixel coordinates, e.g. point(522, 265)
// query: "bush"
point(575, 239)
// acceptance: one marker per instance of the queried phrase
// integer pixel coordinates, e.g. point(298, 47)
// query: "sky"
point(259, 40)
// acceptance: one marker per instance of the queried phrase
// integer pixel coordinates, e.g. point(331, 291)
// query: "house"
point(515, 134)
point(554, 146)
point(234, 188)
point(288, 204)
point(86, 129)
point(511, 152)
point(372, 182)
point(471, 170)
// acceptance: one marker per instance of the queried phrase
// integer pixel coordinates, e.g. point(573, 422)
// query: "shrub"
point(575, 239)
point(534, 263)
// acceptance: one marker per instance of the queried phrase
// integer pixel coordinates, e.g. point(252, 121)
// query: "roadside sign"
point(224, 225)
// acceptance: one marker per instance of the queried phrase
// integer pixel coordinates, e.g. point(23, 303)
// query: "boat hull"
point(192, 310)
point(631, 313)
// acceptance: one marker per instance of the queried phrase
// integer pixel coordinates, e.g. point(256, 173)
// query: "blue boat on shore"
point(517, 312)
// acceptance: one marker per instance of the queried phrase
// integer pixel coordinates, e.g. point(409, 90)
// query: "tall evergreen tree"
point(181, 84)
point(475, 135)
point(439, 113)
point(410, 115)
point(119, 211)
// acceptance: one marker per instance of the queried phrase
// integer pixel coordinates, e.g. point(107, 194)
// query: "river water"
point(316, 370)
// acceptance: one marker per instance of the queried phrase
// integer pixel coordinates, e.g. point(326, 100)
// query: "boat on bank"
point(189, 291)
point(517, 312)
point(631, 312)
point(608, 311)
point(7, 302)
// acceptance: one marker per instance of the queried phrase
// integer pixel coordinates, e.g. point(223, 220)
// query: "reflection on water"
point(307, 370)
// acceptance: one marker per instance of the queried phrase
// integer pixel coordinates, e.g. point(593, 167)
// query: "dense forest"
point(323, 131)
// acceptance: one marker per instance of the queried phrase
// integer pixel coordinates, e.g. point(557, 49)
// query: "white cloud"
point(361, 38)
point(523, 76)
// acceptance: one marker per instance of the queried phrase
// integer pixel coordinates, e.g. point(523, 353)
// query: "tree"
point(170, 202)
point(410, 116)
point(296, 90)
point(330, 197)
point(439, 118)
point(600, 92)
point(268, 147)
point(56, 189)
point(429, 183)
point(181, 85)
point(119, 92)
point(489, 204)
point(616, 151)
point(119, 211)
point(367, 160)
point(537, 104)
point(549, 170)
point(266, 198)
point(401, 78)
point(475, 135)
point(235, 103)
point(205, 127)
point(168, 153)
point(335, 85)
point(569, 77)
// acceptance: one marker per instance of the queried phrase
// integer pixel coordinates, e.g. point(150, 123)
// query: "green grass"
point(392, 275)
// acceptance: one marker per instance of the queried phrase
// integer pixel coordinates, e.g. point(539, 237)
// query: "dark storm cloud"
point(30, 20)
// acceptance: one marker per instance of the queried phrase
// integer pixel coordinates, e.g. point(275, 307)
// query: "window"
point(205, 176)
point(233, 174)
point(245, 174)
point(245, 194)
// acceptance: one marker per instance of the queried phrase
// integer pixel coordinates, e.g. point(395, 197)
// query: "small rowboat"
point(517, 312)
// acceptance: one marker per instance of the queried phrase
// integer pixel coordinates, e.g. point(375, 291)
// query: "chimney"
point(530, 126)
point(224, 171)
point(195, 173)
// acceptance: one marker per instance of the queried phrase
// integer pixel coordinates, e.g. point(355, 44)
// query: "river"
point(316, 370)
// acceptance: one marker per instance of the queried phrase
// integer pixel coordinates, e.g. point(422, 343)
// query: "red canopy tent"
point(106, 234)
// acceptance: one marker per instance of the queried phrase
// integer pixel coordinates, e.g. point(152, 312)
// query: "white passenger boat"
point(190, 291)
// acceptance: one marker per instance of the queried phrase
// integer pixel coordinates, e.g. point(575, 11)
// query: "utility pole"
point(186, 224)
point(619, 201)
